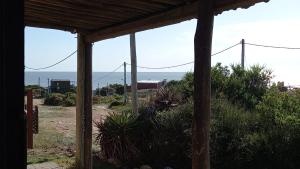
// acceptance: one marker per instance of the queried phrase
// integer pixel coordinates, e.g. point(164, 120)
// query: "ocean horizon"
point(101, 78)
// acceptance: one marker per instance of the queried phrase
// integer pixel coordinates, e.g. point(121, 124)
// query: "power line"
point(41, 68)
point(269, 46)
point(109, 73)
point(167, 67)
point(226, 49)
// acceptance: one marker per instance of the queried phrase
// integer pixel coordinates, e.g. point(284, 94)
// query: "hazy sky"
point(274, 23)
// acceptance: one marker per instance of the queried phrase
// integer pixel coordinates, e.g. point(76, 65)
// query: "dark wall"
point(12, 125)
point(60, 86)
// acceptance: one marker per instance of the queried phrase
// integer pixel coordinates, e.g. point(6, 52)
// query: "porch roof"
point(103, 19)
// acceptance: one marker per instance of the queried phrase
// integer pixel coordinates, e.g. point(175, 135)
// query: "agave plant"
point(114, 136)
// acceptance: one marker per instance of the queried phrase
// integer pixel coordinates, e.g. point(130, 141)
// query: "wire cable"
point(168, 67)
point(109, 73)
point(226, 49)
point(41, 68)
point(269, 46)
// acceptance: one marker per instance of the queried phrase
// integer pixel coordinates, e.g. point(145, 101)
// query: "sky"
point(274, 23)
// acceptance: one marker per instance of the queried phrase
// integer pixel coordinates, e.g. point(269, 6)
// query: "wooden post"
point(29, 120)
point(202, 94)
point(13, 146)
point(133, 73)
point(35, 120)
point(84, 104)
point(125, 85)
point(243, 53)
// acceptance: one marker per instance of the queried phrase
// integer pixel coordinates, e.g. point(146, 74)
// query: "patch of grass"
point(47, 139)
point(122, 107)
point(54, 112)
point(97, 163)
point(35, 158)
point(66, 162)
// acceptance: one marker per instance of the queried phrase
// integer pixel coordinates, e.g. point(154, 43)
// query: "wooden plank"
point(167, 17)
point(129, 16)
point(202, 86)
point(12, 122)
point(69, 10)
point(29, 119)
point(84, 104)
point(133, 74)
point(164, 18)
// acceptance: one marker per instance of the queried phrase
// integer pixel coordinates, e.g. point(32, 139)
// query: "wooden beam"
point(202, 86)
point(133, 74)
point(29, 119)
point(12, 121)
point(84, 104)
point(170, 16)
point(162, 19)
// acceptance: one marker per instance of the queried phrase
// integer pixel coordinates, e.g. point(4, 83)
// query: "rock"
point(145, 167)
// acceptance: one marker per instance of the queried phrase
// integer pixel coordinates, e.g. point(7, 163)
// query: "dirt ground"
point(56, 138)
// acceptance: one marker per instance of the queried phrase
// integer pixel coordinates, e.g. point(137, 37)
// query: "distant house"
point(60, 86)
point(150, 84)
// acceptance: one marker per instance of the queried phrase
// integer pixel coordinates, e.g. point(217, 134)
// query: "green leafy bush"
point(115, 103)
point(54, 99)
point(58, 99)
point(70, 99)
point(115, 136)
point(252, 127)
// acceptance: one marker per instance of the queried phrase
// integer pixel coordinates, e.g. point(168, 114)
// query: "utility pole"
point(133, 73)
point(39, 81)
point(107, 89)
point(243, 54)
point(98, 90)
point(48, 86)
point(125, 85)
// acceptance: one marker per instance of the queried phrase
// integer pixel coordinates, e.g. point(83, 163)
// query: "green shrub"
point(96, 99)
point(115, 103)
point(58, 99)
point(54, 99)
point(252, 126)
point(115, 136)
point(70, 99)
point(37, 91)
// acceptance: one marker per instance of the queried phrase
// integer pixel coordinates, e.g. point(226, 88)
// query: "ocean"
point(101, 78)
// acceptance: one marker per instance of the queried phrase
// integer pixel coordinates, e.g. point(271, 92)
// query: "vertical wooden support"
point(125, 84)
point(35, 120)
point(202, 94)
point(84, 104)
point(243, 53)
point(133, 73)
point(29, 119)
point(12, 121)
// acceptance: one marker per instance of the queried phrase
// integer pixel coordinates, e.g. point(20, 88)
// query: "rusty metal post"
point(36, 120)
point(29, 119)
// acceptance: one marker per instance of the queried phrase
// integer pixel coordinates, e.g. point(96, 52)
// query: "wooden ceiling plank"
point(71, 17)
point(73, 6)
point(65, 19)
point(39, 16)
point(162, 19)
point(170, 17)
point(68, 12)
